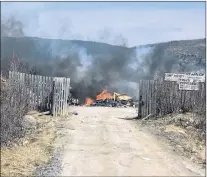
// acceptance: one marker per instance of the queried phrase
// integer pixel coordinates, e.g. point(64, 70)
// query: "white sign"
point(173, 77)
point(188, 86)
point(187, 81)
point(195, 77)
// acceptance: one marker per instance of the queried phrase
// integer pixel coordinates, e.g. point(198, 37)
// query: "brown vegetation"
point(13, 107)
point(32, 150)
point(184, 132)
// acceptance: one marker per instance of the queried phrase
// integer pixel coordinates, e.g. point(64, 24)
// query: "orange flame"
point(104, 95)
point(88, 101)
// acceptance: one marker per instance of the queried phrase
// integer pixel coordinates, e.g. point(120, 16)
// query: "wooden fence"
point(61, 88)
point(43, 93)
point(159, 97)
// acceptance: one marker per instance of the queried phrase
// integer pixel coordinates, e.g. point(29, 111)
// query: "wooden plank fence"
point(160, 97)
point(61, 87)
point(43, 93)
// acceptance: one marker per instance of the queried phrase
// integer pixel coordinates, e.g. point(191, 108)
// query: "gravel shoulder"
point(104, 141)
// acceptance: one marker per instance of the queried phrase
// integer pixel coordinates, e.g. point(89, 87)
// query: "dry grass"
point(186, 141)
point(173, 128)
point(192, 144)
point(35, 150)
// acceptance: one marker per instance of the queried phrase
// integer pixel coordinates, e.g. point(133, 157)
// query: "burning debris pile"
point(106, 99)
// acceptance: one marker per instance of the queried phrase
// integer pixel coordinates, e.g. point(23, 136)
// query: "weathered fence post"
point(52, 111)
point(140, 107)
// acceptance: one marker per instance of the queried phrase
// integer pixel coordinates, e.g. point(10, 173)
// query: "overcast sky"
point(135, 23)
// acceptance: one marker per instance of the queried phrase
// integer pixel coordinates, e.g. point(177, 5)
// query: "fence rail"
point(43, 93)
point(160, 97)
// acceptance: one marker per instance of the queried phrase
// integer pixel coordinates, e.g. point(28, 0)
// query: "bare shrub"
point(14, 105)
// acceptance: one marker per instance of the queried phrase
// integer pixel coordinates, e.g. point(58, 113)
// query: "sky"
point(116, 23)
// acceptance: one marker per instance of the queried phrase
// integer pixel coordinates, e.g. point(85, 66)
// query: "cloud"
point(136, 26)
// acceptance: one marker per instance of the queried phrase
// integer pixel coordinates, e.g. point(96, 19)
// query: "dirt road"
point(105, 144)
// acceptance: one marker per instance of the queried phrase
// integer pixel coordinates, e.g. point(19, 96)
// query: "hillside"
point(46, 49)
point(93, 66)
point(177, 56)
point(186, 53)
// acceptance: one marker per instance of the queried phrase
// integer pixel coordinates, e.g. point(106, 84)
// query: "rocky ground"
point(107, 141)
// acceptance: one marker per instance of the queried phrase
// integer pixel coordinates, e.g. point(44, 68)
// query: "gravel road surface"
point(105, 142)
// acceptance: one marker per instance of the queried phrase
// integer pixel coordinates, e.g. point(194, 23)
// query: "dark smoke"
point(153, 62)
point(118, 71)
point(91, 74)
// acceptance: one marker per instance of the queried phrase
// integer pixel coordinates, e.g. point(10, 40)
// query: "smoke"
point(89, 74)
point(121, 70)
point(118, 70)
point(11, 27)
point(156, 60)
point(99, 72)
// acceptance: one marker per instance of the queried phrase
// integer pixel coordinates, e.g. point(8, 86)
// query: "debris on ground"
point(112, 103)
point(74, 113)
point(147, 117)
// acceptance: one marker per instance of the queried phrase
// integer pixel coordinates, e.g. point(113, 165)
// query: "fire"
point(88, 101)
point(104, 95)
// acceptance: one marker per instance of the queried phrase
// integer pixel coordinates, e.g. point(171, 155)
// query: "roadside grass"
point(173, 128)
point(186, 140)
point(36, 149)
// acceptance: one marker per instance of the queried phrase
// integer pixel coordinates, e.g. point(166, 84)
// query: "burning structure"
point(107, 99)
